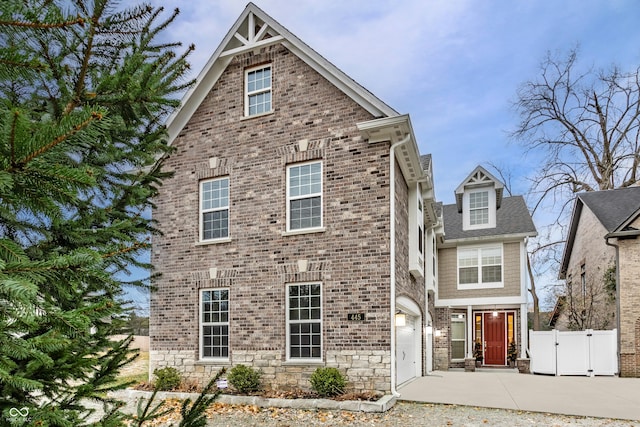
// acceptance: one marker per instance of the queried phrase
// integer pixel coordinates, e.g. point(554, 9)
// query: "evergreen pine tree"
point(84, 89)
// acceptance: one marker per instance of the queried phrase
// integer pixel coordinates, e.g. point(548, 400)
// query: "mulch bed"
point(192, 387)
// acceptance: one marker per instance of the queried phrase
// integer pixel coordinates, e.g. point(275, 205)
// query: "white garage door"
point(406, 351)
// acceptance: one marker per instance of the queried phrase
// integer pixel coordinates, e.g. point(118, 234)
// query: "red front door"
point(494, 334)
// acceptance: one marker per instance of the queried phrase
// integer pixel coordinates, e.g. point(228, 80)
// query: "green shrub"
point(167, 378)
point(244, 378)
point(328, 382)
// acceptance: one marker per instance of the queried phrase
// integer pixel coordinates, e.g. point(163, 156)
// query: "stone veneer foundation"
point(366, 370)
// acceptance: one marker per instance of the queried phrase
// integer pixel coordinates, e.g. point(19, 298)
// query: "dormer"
point(478, 198)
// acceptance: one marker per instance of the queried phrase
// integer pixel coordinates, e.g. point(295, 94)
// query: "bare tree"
point(590, 301)
point(583, 126)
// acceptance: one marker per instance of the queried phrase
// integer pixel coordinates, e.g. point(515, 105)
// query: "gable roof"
point(612, 207)
point(478, 178)
point(615, 209)
point(253, 30)
point(512, 220)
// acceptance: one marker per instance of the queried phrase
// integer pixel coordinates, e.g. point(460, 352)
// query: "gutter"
point(392, 216)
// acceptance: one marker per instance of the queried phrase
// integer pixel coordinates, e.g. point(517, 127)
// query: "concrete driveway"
point(606, 397)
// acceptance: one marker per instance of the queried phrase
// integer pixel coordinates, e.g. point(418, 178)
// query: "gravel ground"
point(403, 414)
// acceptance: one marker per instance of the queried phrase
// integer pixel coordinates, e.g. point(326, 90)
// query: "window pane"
point(479, 216)
point(457, 330)
point(492, 274)
point(215, 225)
point(469, 275)
point(479, 200)
point(457, 349)
point(305, 213)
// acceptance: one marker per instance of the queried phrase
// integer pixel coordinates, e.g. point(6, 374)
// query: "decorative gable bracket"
point(253, 34)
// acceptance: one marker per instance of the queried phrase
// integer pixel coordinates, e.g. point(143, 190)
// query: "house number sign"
point(358, 317)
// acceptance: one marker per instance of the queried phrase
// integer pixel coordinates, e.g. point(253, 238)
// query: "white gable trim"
point(242, 37)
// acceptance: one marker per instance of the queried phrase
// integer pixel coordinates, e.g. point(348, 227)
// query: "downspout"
point(606, 241)
point(392, 216)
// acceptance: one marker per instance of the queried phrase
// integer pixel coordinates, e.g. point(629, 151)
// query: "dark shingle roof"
point(612, 207)
point(511, 218)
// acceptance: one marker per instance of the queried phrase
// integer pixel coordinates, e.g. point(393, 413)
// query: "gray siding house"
point(481, 293)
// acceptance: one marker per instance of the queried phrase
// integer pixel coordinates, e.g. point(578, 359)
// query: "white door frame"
point(412, 309)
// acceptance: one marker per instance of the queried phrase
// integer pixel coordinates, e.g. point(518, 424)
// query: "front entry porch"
point(494, 337)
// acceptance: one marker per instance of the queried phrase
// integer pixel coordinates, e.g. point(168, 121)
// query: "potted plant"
point(512, 353)
point(477, 353)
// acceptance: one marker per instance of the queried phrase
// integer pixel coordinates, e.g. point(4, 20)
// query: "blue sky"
point(453, 65)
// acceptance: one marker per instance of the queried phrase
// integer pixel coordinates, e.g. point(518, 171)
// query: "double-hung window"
point(304, 196)
point(214, 324)
point(304, 321)
point(479, 208)
point(214, 209)
point(258, 90)
point(480, 267)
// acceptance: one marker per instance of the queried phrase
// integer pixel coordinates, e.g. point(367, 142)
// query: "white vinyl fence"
point(574, 352)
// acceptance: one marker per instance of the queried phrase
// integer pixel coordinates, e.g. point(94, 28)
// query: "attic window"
point(258, 91)
point(479, 208)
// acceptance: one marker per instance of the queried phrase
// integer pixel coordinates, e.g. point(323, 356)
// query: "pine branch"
point(42, 25)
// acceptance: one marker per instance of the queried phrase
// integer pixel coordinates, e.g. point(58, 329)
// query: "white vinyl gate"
point(574, 352)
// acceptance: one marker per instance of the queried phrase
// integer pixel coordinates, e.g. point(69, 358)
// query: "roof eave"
point(392, 130)
point(568, 247)
point(492, 238)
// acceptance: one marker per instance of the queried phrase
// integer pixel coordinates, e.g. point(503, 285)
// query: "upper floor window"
point(214, 209)
point(479, 208)
point(258, 90)
point(304, 196)
point(480, 267)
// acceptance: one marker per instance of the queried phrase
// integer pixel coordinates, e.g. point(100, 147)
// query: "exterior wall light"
point(401, 318)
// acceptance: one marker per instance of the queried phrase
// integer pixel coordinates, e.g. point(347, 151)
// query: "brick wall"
point(350, 258)
point(589, 249)
point(629, 260)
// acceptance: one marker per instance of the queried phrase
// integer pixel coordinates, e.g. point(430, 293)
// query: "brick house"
point(603, 233)
point(481, 292)
point(293, 227)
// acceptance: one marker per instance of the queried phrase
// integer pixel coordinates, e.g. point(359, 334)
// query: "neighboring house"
point(294, 225)
point(481, 292)
point(603, 233)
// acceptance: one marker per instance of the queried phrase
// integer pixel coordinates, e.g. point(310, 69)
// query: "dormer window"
point(479, 208)
point(478, 198)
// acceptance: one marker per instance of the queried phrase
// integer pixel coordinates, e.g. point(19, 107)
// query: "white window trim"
point(464, 321)
point(298, 360)
point(480, 285)
point(466, 216)
point(201, 324)
point(320, 228)
point(201, 213)
point(256, 92)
